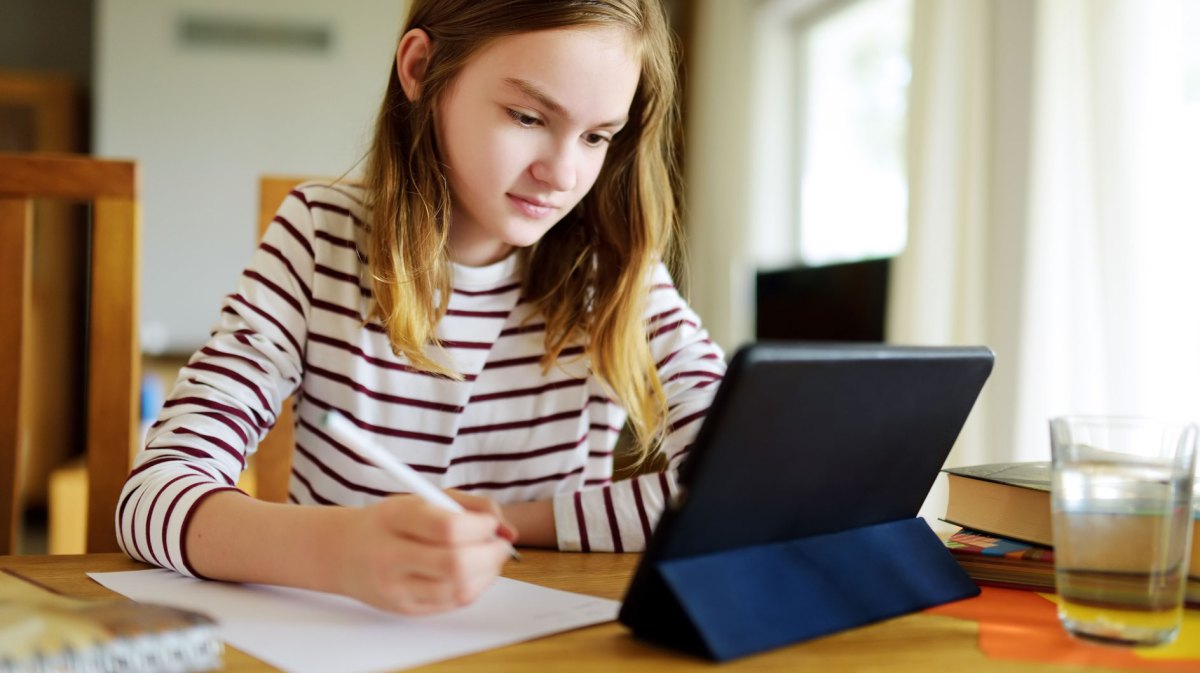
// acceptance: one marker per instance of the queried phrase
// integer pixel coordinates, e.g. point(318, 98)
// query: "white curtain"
point(1048, 214)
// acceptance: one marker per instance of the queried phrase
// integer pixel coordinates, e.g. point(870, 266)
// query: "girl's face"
point(524, 130)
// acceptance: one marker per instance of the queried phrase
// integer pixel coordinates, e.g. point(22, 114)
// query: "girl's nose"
point(556, 169)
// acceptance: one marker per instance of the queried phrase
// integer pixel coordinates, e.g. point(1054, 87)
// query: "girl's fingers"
point(409, 516)
point(476, 503)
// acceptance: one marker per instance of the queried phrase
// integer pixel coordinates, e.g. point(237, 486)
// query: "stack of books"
point(1001, 562)
point(1006, 536)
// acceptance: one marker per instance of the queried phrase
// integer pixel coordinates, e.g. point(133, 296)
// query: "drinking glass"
point(1121, 499)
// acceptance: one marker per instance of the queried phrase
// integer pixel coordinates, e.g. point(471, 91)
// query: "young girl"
point(490, 306)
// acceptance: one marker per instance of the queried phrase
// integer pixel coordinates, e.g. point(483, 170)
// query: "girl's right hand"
point(404, 555)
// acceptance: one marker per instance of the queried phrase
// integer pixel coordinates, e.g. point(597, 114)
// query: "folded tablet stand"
point(733, 603)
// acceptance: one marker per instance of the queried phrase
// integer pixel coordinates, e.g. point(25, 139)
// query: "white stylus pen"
point(345, 432)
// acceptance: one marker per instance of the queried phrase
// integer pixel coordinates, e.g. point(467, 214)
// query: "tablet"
point(807, 439)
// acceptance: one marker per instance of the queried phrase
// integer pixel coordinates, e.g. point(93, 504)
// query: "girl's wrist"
point(534, 522)
point(330, 546)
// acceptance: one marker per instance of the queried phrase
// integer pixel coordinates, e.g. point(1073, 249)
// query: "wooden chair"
point(273, 461)
point(113, 358)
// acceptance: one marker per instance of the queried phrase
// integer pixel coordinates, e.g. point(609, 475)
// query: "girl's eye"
point(523, 119)
point(596, 139)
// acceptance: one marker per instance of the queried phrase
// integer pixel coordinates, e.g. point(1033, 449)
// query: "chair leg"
point(16, 253)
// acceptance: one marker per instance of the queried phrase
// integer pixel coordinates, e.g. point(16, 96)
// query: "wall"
point(267, 87)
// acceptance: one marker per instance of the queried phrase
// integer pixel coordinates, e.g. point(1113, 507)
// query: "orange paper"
point(1023, 626)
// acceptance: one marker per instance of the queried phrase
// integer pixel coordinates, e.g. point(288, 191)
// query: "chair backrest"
point(113, 358)
point(273, 460)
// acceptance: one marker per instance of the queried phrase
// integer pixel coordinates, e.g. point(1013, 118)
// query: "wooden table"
point(917, 643)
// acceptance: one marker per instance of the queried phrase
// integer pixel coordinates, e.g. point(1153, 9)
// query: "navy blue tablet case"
point(800, 495)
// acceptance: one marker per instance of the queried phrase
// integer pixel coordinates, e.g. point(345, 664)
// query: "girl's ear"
point(412, 55)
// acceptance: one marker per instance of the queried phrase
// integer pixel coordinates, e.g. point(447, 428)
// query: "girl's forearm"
point(238, 538)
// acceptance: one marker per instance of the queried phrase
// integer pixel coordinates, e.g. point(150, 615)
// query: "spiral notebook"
point(44, 631)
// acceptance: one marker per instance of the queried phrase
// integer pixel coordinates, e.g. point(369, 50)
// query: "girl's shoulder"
point(334, 207)
point(339, 197)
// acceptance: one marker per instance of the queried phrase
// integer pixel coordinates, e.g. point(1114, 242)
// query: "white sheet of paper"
point(303, 631)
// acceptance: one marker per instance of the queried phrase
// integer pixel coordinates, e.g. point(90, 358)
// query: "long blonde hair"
point(589, 275)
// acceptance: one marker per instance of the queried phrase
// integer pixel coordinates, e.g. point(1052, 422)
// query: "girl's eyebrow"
point(533, 91)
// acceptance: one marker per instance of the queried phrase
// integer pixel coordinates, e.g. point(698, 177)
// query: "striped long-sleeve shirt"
point(507, 430)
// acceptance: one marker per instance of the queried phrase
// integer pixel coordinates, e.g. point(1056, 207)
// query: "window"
point(839, 72)
point(854, 70)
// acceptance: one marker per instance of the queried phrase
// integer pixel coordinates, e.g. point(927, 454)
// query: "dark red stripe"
point(467, 345)
point(613, 526)
point(337, 275)
point(378, 362)
point(665, 486)
point(277, 254)
point(531, 359)
point(258, 421)
point(477, 314)
point(203, 366)
point(133, 531)
point(706, 356)
point(271, 319)
point(228, 448)
point(481, 293)
point(220, 418)
point(332, 474)
point(332, 207)
point(210, 351)
point(686, 419)
point(311, 491)
point(379, 429)
point(121, 516)
point(299, 195)
point(338, 309)
point(296, 235)
point(166, 519)
point(523, 329)
point(508, 457)
point(497, 485)
point(641, 506)
point(158, 461)
point(697, 374)
point(336, 241)
point(524, 392)
point(187, 450)
point(671, 327)
point(659, 316)
point(384, 397)
point(333, 187)
point(200, 471)
point(516, 425)
point(584, 545)
point(346, 451)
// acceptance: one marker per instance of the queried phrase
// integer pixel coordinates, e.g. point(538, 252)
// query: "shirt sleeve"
point(226, 397)
point(620, 517)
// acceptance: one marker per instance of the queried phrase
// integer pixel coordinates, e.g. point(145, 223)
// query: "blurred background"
point(1016, 173)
